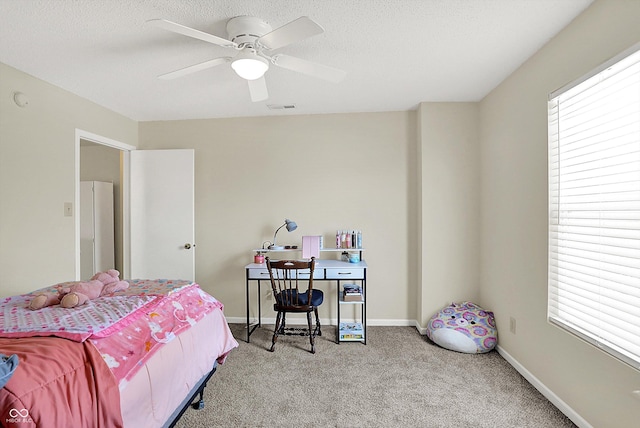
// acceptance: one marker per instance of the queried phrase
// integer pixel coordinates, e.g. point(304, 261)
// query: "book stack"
point(352, 293)
point(351, 331)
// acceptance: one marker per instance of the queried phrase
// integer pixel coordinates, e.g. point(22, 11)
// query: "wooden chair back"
point(291, 284)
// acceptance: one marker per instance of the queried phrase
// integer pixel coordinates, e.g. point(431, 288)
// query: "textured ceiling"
point(397, 53)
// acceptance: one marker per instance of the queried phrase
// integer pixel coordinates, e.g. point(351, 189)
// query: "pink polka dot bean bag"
point(464, 327)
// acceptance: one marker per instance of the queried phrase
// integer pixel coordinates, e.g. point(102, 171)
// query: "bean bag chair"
point(464, 327)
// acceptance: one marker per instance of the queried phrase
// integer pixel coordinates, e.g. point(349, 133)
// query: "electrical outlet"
point(512, 325)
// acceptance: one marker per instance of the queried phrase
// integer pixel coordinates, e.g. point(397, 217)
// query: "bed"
point(137, 358)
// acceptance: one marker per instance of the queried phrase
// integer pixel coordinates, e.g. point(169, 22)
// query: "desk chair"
point(287, 276)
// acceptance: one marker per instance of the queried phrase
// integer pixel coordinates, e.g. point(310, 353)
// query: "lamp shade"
point(249, 66)
point(290, 225)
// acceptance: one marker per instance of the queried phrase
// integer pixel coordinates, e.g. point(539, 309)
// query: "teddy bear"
point(76, 293)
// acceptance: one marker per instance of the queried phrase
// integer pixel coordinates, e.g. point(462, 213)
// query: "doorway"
point(100, 209)
point(102, 159)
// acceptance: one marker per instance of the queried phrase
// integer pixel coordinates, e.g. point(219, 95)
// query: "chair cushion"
point(317, 297)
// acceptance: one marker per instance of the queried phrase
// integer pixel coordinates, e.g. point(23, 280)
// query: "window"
point(594, 207)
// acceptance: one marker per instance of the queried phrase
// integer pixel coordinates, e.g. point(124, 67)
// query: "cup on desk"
point(354, 258)
point(258, 258)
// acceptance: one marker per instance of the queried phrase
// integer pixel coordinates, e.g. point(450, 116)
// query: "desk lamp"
point(291, 226)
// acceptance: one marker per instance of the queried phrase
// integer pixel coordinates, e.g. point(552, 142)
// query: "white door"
point(162, 214)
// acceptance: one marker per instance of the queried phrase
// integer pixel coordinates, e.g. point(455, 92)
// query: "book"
point(351, 331)
point(351, 289)
point(352, 298)
point(310, 247)
point(351, 293)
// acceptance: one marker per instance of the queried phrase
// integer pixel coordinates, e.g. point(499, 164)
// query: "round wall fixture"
point(20, 99)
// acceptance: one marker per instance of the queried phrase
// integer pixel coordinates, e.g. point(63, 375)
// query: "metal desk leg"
point(247, 301)
point(259, 323)
point(249, 329)
point(364, 307)
point(338, 326)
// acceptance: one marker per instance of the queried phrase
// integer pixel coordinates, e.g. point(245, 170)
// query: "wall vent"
point(281, 106)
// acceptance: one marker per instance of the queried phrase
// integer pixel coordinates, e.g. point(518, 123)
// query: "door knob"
point(188, 246)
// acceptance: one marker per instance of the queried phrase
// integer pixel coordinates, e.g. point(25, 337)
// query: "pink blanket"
point(58, 383)
point(98, 318)
point(126, 350)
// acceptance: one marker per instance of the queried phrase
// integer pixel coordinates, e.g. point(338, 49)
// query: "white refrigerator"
point(97, 247)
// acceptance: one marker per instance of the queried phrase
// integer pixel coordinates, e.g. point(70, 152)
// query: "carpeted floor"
point(399, 379)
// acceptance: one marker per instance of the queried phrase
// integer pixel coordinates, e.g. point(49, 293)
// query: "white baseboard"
point(553, 398)
point(300, 320)
point(391, 323)
point(237, 320)
point(421, 330)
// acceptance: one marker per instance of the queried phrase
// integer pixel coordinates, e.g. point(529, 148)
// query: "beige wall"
point(326, 172)
point(37, 176)
point(514, 218)
point(449, 205)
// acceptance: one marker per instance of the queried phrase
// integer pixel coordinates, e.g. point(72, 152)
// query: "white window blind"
point(594, 207)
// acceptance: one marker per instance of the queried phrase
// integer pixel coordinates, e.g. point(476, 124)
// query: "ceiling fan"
point(254, 40)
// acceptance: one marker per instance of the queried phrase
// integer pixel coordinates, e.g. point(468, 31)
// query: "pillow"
point(464, 327)
point(7, 366)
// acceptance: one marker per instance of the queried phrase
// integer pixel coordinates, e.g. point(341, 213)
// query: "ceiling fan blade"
point(295, 30)
point(191, 32)
point(194, 68)
point(309, 68)
point(258, 89)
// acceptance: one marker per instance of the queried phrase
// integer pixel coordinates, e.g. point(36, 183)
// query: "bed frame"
point(188, 401)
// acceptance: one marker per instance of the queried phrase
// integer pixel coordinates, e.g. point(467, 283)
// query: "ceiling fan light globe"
point(250, 68)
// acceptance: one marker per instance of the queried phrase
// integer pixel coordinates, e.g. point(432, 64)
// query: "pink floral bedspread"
point(128, 349)
point(98, 318)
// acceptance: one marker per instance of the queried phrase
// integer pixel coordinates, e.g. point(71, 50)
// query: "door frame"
point(125, 172)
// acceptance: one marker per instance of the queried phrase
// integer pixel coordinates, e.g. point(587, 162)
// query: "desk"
point(325, 270)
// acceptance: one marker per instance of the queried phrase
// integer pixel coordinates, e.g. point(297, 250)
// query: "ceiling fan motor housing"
point(244, 30)
point(254, 40)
